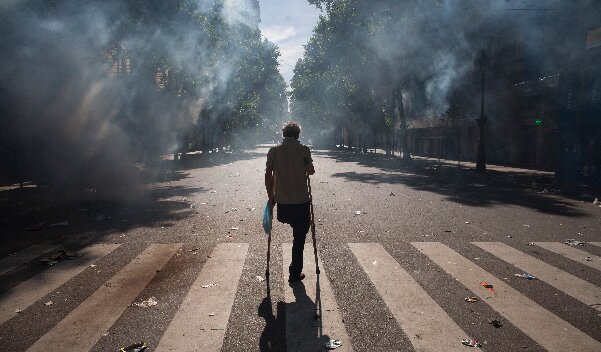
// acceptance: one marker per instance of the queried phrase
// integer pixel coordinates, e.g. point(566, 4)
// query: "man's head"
point(291, 129)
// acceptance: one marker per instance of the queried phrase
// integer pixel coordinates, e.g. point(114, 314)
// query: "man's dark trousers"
point(299, 217)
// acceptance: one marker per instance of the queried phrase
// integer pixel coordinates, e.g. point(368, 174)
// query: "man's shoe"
point(294, 278)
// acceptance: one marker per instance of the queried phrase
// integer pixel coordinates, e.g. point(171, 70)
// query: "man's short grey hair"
point(291, 129)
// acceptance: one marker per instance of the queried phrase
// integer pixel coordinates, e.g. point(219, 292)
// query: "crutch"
point(268, 254)
point(313, 226)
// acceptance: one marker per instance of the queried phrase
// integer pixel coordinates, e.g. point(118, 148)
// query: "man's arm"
point(269, 184)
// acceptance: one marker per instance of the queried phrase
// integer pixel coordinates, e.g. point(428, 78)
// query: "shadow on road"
point(464, 186)
point(303, 332)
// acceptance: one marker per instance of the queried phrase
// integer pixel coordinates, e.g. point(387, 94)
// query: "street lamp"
point(481, 161)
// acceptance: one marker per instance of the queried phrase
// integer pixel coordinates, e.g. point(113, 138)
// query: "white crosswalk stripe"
point(583, 291)
point(415, 311)
point(572, 253)
point(201, 320)
point(83, 327)
point(547, 329)
point(28, 292)
point(13, 261)
point(304, 300)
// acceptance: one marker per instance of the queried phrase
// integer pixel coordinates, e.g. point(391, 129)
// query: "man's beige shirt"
point(289, 162)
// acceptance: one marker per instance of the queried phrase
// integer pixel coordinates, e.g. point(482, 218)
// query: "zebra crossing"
point(312, 312)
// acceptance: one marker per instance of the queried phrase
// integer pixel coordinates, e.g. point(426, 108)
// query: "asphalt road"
point(401, 247)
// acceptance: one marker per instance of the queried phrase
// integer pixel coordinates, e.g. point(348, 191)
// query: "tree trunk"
point(403, 125)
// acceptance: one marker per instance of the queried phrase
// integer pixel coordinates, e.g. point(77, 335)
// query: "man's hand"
point(269, 185)
point(310, 169)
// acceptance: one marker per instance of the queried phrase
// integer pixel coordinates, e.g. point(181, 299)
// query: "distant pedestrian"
point(288, 166)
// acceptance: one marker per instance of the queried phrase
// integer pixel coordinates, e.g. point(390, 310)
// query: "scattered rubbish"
point(323, 181)
point(333, 344)
point(209, 285)
point(596, 202)
point(57, 256)
point(509, 236)
point(391, 194)
point(418, 336)
point(487, 286)
point(526, 225)
point(49, 303)
point(471, 299)
point(62, 223)
point(105, 334)
point(213, 191)
point(588, 259)
point(573, 242)
point(467, 222)
point(194, 249)
point(18, 310)
point(234, 228)
point(531, 244)
point(136, 347)
point(471, 342)
point(447, 231)
point(526, 276)
point(36, 227)
point(211, 314)
point(193, 205)
point(147, 303)
point(496, 323)
point(357, 212)
point(260, 278)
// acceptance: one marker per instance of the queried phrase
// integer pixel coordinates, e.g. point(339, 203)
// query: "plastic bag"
point(267, 217)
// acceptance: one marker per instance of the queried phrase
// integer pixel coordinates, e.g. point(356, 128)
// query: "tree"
point(455, 118)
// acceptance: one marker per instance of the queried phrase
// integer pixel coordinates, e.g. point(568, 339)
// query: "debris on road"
point(531, 244)
point(596, 202)
point(18, 310)
point(57, 256)
point(471, 342)
point(260, 278)
point(358, 212)
point(62, 223)
point(573, 242)
point(147, 303)
point(235, 228)
point(136, 347)
point(211, 314)
point(36, 227)
point(526, 225)
point(526, 276)
point(496, 323)
point(471, 299)
point(487, 286)
point(391, 194)
point(49, 303)
point(209, 285)
point(333, 344)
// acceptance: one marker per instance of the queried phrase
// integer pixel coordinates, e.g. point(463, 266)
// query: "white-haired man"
point(288, 165)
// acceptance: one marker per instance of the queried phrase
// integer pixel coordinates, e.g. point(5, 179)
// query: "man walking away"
point(288, 165)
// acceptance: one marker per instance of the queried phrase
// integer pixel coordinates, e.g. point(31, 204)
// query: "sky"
point(289, 24)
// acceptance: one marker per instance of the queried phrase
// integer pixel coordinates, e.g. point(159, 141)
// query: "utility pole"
point(481, 162)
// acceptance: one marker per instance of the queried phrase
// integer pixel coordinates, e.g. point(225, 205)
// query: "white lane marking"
point(415, 311)
point(201, 320)
point(572, 253)
point(11, 262)
point(303, 331)
point(583, 291)
point(28, 292)
point(544, 327)
point(83, 327)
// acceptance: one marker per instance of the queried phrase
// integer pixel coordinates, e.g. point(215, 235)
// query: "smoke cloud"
point(82, 95)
